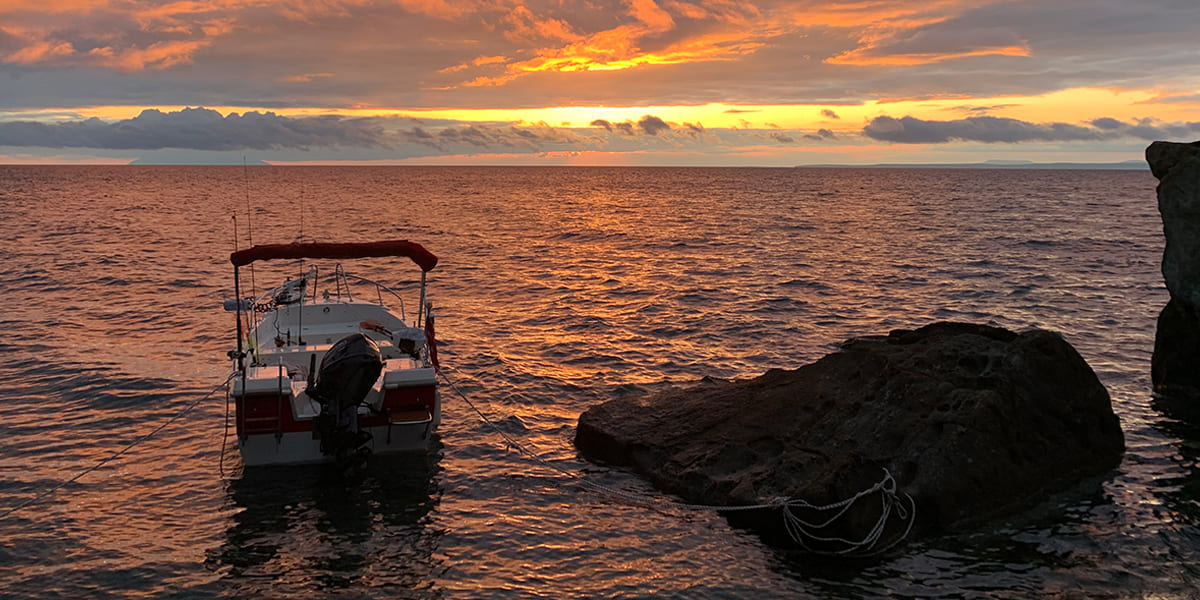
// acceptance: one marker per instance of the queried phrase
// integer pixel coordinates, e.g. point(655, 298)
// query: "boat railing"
point(265, 302)
point(379, 290)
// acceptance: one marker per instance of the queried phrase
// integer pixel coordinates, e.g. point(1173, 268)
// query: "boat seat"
point(404, 372)
point(262, 385)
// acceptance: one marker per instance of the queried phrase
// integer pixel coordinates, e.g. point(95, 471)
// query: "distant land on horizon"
point(141, 162)
point(1128, 165)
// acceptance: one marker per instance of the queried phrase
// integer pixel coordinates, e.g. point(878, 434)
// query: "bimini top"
point(424, 258)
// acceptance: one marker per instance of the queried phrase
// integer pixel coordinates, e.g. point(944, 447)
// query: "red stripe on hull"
point(261, 413)
point(400, 400)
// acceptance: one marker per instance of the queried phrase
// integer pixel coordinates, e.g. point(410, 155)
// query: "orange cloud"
point(900, 33)
point(649, 14)
point(305, 77)
point(183, 27)
point(156, 56)
point(524, 27)
point(441, 9)
point(731, 29)
point(40, 52)
point(890, 14)
point(623, 47)
point(869, 56)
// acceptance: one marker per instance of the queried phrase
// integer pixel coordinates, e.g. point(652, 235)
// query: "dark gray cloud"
point(198, 129)
point(205, 129)
point(648, 125)
point(829, 114)
point(652, 125)
point(483, 136)
point(1107, 124)
point(982, 110)
point(910, 130)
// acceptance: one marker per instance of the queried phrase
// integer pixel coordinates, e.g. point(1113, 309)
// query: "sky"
point(595, 82)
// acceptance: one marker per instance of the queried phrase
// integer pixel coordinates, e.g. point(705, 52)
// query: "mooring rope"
point(118, 453)
point(801, 531)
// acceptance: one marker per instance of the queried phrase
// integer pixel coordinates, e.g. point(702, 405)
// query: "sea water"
point(558, 288)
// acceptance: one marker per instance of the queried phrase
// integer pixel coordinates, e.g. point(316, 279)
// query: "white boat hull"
point(276, 420)
point(302, 448)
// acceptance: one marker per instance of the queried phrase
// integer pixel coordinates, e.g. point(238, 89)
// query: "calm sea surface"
point(558, 288)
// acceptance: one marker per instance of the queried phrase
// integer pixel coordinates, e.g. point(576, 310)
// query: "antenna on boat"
point(249, 215)
point(301, 239)
point(237, 298)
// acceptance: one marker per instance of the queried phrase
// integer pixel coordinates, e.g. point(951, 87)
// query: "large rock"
point(1176, 362)
point(1175, 366)
point(972, 421)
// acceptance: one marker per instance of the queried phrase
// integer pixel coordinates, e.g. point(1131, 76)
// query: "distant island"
point(178, 157)
point(1129, 165)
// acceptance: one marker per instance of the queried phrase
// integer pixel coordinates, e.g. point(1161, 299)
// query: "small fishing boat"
point(333, 376)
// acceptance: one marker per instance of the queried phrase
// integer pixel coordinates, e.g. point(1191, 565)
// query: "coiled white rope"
point(804, 532)
point(118, 453)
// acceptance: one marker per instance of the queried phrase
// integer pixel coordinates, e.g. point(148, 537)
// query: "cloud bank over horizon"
point(910, 130)
point(203, 129)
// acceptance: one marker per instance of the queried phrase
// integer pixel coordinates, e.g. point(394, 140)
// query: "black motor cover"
point(347, 372)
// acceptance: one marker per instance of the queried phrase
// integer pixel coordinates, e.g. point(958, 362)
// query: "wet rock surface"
point(1176, 362)
point(972, 421)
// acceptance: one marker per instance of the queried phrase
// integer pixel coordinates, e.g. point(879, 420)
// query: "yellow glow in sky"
point(1068, 106)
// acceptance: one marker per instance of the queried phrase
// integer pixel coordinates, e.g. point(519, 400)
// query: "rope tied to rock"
point(803, 532)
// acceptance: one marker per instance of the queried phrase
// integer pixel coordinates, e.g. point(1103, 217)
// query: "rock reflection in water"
point(307, 531)
point(1181, 422)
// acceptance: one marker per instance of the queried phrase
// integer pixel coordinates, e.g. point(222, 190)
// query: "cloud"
point(693, 130)
point(980, 110)
point(206, 130)
point(1107, 124)
point(197, 129)
point(484, 136)
point(1188, 98)
point(910, 130)
point(271, 136)
point(934, 44)
point(648, 125)
point(304, 77)
point(829, 114)
point(652, 125)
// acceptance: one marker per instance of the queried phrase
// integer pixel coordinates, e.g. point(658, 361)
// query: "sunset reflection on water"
point(557, 289)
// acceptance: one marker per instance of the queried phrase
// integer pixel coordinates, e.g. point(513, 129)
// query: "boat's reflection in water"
point(310, 531)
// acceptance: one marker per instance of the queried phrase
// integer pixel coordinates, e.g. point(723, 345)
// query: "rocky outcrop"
point(972, 421)
point(1176, 363)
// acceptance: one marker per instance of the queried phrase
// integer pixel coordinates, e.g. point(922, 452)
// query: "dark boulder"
point(1175, 368)
point(972, 421)
point(1176, 362)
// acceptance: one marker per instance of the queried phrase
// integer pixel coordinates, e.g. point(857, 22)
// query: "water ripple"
point(557, 289)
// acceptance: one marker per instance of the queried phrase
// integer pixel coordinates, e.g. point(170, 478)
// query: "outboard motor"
point(347, 372)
